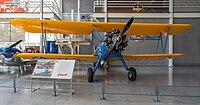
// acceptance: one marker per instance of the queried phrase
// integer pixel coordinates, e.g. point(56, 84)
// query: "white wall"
point(32, 37)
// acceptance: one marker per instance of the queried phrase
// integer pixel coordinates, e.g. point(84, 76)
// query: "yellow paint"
point(146, 57)
point(72, 27)
point(137, 9)
point(85, 58)
point(92, 58)
point(151, 55)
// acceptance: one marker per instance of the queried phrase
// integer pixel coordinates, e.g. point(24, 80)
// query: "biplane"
point(8, 57)
point(110, 47)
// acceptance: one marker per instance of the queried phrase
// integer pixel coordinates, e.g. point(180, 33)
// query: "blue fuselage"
point(9, 52)
point(101, 52)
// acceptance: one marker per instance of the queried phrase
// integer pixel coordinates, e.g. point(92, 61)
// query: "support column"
point(79, 10)
point(41, 9)
point(72, 15)
point(41, 18)
point(10, 33)
point(78, 19)
point(61, 6)
point(170, 76)
point(171, 17)
point(105, 11)
point(72, 46)
point(72, 19)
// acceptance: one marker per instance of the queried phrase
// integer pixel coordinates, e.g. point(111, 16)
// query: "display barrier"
point(102, 88)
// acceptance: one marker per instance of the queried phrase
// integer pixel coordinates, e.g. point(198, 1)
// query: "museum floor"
point(148, 77)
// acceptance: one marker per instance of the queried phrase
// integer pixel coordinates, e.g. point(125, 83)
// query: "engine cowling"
point(115, 36)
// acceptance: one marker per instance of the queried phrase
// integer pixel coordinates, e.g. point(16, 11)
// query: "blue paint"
point(51, 47)
point(98, 33)
point(166, 40)
point(101, 51)
point(9, 52)
point(163, 47)
point(124, 63)
point(158, 43)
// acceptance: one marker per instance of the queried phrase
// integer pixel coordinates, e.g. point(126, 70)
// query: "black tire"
point(90, 75)
point(132, 74)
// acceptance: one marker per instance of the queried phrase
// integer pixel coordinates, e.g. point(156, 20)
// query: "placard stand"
point(54, 70)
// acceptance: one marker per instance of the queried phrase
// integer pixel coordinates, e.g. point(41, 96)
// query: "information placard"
point(58, 69)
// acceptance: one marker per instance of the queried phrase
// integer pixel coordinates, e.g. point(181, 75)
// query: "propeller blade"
point(127, 26)
point(15, 44)
point(109, 51)
point(114, 45)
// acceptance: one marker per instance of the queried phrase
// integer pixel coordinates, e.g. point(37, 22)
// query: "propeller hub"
point(116, 41)
point(115, 37)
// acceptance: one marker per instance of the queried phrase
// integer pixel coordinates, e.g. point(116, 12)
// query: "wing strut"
point(99, 35)
point(165, 42)
point(43, 40)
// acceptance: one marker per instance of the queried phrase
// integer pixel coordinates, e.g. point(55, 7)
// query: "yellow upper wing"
point(72, 27)
point(92, 58)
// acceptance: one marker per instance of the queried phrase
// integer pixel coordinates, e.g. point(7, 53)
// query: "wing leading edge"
point(81, 57)
point(149, 57)
point(72, 27)
point(92, 58)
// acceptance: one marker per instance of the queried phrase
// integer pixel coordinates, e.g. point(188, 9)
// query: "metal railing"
point(103, 89)
point(128, 6)
point(84, 16)
point(186, 6)
point(147, 6)
point(32, 7)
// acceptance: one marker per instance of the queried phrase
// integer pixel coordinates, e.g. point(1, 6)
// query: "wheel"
point(132, 74)
point(90, 75)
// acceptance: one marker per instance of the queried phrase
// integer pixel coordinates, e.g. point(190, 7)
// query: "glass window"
point(8, 33)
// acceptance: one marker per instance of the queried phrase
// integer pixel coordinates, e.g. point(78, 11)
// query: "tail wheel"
point(132, 74)
point(90, 75)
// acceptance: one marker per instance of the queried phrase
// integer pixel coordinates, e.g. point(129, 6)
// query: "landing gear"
point(101, 65)
point(132, 74)
point(90, 75)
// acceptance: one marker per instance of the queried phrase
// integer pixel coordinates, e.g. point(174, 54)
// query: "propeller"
point(15, 44)
point(127, 26)
point(8, 51)
point(115, 44)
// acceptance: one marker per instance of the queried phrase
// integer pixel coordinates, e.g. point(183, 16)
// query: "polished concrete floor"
point(148, 77)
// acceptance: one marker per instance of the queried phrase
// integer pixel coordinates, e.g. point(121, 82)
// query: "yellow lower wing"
point(80, 57)
point(149, 57)
point(93, 58)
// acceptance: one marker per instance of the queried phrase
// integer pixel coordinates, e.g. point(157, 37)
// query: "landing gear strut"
point(132, 74)
point(90, 75)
